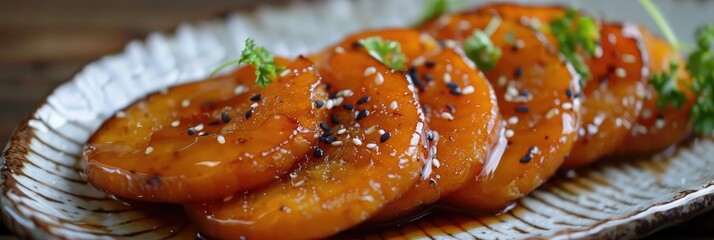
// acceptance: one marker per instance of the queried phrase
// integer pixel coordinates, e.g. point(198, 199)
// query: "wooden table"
point(44, 43)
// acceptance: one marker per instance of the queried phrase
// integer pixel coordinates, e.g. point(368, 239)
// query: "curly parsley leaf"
point(701, 67)
point(574, 32)
point(435, 8)
point(481, 51)
point(669, 93)
point(259, 58)
point(387, 52)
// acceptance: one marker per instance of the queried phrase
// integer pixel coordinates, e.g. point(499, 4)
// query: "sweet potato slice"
point(536, 93)
point(369, 155)
point(209, 139)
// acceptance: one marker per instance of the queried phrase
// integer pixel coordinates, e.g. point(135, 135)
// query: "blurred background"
point(44, 43)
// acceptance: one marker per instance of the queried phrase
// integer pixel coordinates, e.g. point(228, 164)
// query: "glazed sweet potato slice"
point(464, 122)
point(536, 96)
point(614, 91)
point(657, 129)
point(369, 155)
point(209, 139)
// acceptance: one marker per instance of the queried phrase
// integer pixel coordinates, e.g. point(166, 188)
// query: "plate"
point(45, 196)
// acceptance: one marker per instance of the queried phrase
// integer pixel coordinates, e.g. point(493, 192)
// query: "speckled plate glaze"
point(44, 195)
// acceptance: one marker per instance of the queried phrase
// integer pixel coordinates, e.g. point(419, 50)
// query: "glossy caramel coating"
point(194, 142)
point(612, 96)
point(464, 124)
point(658, 129)
point(346, 182)
point(531, 82)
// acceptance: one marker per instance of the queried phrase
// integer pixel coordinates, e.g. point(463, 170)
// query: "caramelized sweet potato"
point(536, 93)
point(207, 140)
point(356, 170)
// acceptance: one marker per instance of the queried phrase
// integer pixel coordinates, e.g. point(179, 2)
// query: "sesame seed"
point(202, 133)
point(430, 64)
point(569, 93)
point(336, 143)
point(430, 136)
point(319, 103)
point(249, 113)
point(379, 79)
point(518, 72)
point(256, 97)
point(660, 123)
point(502, 80)
point(520, 43)
point(341, 131)
point(448, 116)
point(363, 100)
point(348, 106)
point(620, 72)
point(628, 58)
point(318, 152)
point(513, 120)
point(447, 78)
point(510, 133)
point(214, 123)
point(340, 50)
point(347, 93)
point(329, 140)
point(381, 131)
point(361, 114)
point(393, 105)
point(338, 101)
point(369, 71)
point(356, 141)
point(452, 85)
point(529, 155)
point(371, 145)
point(327, 133)
point(567, 105)
point(330, 103)
point(428, 77)
point(334, 119)
point(419, 61)
point(120, 114)
point(455, 92)
point(522, 109)
point(221, 139)
point(450, 107)
point(370, 130)
point(324, 126)
point(240, 89)
point(468, 90)
point(148, 150)
point(191, 131)
point(185, 103)
point(436, 163)
point(385, 137)
point(551, 113)
point(199, 127)
point(225, 118)
point(175, 123)
point(285, 73)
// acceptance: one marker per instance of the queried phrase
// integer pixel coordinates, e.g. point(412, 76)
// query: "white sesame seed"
point(598, 52)
point(551, 113)
point(285, 73)
point(447, 78)
point(369, 71)
point(510, 133)
point(185, 103)
point(647, 113)
point(513, 120)
point(356, 141)
point(336, 143)
point(240, 89)
point(339, 50)
point(341, 131)
point(379, 79)
point(660, 123)
point(567, 105)
point(371, 145)
point(502, 80)
point(381, 132)
point(370, 130)
point(338, 101)
point(347, 93)
point(448, 116)
point(198, 127)
point(449, 67)
point(520, 43)
point(419, 61)
point(221, 139)
point(436, 163)
point(329, 104)
point(393, 105)
point(628, 58)
point(175, 123)
point(620, 72)
point(293, 175)
point(148, 150)
point(468, 90)
point(120, 114)
point(254, 105)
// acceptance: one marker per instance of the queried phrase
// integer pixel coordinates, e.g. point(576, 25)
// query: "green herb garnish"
point(435, 8)
point(669, 93)
point(260, 58)
point(479, 47)
point(574, 32)
point(387, 52)
point(701, 68)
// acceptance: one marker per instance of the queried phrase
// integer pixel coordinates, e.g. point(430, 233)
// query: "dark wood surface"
point(44, 43)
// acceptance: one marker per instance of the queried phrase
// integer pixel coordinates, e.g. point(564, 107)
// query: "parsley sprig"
point(573, 32)
point(260, 58)
point(669, 93)
point(387, 52)
point(480, 49)
point(435, 8)
point(701, 68)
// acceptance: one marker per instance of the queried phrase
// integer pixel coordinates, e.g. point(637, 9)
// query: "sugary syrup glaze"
point(532, 84)
point(613, 94)
point(209, 139)
point(370, 154)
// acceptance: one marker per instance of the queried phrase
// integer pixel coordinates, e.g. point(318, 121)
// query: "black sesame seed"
point(523, 93)
point(455, 92)
point(318, 152)
point(225, 118)
point(514, 48)
point(328, 87)
point(348, 106)
point(385, 137)
point(428, 77)
point(334, 119)
point(191, 131)
point(518, 72)
point(214, 123)
point(522, 109)
point(432, 181)
point(430, 136)
point(430, 64)
point(569, 93)
point(356, 45)
point(249, 113)
point(324, 126)
point(330, 140)
point(361, 114)
point(201, 134)
point(452, 85)
point(450, 107)
point(327, 133)
point(529, 155)
point(332, 95)
point(256, 97)
point(319, 103)
point(363, 100)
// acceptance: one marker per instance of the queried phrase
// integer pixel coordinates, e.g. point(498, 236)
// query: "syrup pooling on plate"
point(532, 84)
point(614, 90)
point(657, 129)
point(464, 122)
point(209, 139)
point(370, 154)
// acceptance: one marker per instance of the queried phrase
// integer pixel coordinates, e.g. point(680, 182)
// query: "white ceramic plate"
point(44, 195)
